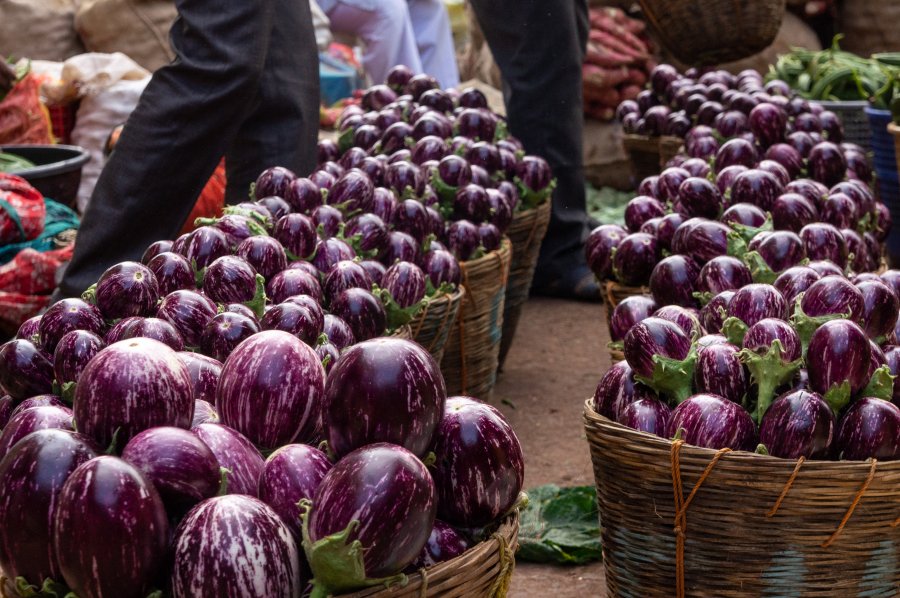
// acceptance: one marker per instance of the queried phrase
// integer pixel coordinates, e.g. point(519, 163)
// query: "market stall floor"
point(557, 358)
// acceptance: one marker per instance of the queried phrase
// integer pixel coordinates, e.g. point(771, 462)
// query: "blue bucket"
point(337, 80)
point(885, 163)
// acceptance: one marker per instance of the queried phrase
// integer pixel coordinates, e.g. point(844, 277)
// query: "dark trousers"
point(539, 47)
point(244, 85)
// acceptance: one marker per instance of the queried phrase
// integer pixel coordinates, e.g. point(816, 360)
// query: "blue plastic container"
point(337, 80)
point(885, 163)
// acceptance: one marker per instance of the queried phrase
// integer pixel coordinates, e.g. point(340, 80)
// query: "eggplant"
point(329, 252)
point(880, 309)
point(114, 334)
point(751, 304)
point(665, 232)
point(204, 412)
point(660, 353)
point(130, 386)
point(403, 247)
point(616, 387)
point(793, 211)
point(444, 543)
point(641, 209)
point(173, 272)
point(892, 279)
point(180, 466)
point(756, 187)
point(825, 268)
point(830, 297)
point(649, 186)
point(352, 192)
point(38, 401)
point(375, 270)
point(383, 390)
point(795, 281)
point(788, 157)
point(688, 319)
point(65, 316)
point(779, 250)
point(736, 151)
point(297, 234)
point(600, 246)
point(277, 206)
point(858, 252)
point(404, 178)
point(710, 421)
point(111, 534)
point(273, 181)
point(271, 389)
point(235, 453)
point(204, 373)
point(206, 243)
point(669, 183)
point(328, 220)
point(25, 370)
point(629, 312)
point(338, 332)
point(827, 163)
point(745, 214)
point(635, 258)
point(674, 281)
point(293, 282)
point(28, 330)
point(154, 249)
point(722, 273)
point(73, 352)
point(224, 332)
point(368, 232)
point(345, 275)
point(230, 279)
point(771, 352)
point(323, 179)
point(725, 178)
point(442, 267)
point(714, 313)
point(156, 329)
point(126, 289)
point(869, 430)
point(291, 474)
point(405, 282)
point(30, 420)
point(838, 361)
point(769, 123)
point(264, 254)
point(303, 195)
point(703, 241)
point(719, 371)
point(362, 311)
point(839, 210)
point(429, 147)
point(645, 414)
point(188, 312)
point(700, 198)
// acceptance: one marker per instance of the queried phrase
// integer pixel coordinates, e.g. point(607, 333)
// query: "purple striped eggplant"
point(338, 332)
point(756, 187)
point(798, 424)
point(635, 258)
point(779, 250)
point(825, 268)
point(719, 371)
point(444, 543)
point(293, 282)
point(869, 429)
point(126, 289)
point(685, 318)
point(230, 279)
point(794, 281)
point(892, 359)
point(403, 247)
point(405, 282)
point(880, 308)
point(294, 319)
point(771, 352)
point(828, 298)
point(273, 181)
point(154, 249)
point(235, 546)
point(370, 518)
point(769, 123)
point(670, 181)
point(839, 210)
point(271, 389)
point(660, 354)
point(641, 209)
point(367, 232)
point(745, 214)
point(157, 329)
point(793, 211)
point(31, 478)
point(749, 305)
point(130, 386)
point(824, 242)
point(674, 281)
point(714, 313)
point(297, 234)
point(173, 272)
point(304, 266)
point(29, 328)
point(234, 228)
point(892, 279)
point(704, 241)
point(838, 360)
point(346, 274)
point(291, 474)
point(788, 157)
point(264, 254)
point(111, 532)
point(204, 412)
point(323, 179)
point(479, 468)
point(30, 420)
point(710, 421)
point(700, 197)
point(442, 267)
point(723, 273)
point(501, 210)
point(616, 387)
point(38, 401)
point(73, 352)
point(827, 163)
point(328, 221)
point(352, 192)
point(328, 354)
point(858, 252)
point(316, 313)
point(224, 332)
point(665, 232)
point(331, 251)
point(599, 248)
point(278, 207)
point(114, 334)
point(7, 404)
point(235, 453)
point(65, 316)
point(383, 390)
point(404, 178)
point(362, 311)
point(25, 370)
point(410, 217)
point(489, 236)
point(188, 312)
point(385, 202)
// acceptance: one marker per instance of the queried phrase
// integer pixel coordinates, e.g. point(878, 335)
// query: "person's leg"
point(385, 30)
point(185, 120)
point(539, 47)
point(434, 38)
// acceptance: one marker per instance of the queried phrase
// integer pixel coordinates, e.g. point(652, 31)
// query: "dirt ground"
point(557, 358)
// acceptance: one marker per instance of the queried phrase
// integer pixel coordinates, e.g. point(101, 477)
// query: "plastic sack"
point(22, 210)
point(23, 118)
point(38, 29)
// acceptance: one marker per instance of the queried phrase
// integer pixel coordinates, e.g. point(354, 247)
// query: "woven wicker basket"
point(706, 32)
point(643, 151)
point(483, 571)
point(431, 327)
point(526, 233)
point(854, 120)
point(404, 332)
point(679, 520)
point(471, 354)
point(669, 147)
point(614, 293)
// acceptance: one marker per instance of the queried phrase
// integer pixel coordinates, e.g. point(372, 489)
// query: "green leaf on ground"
point(560, 525)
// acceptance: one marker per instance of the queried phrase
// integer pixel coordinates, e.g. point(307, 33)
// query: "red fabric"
point(28, 204)
point(25, 284)
point(211, 200)
point(23, 118)
point(62, 121)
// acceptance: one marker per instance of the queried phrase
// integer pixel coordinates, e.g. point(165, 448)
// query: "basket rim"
point(665, 445)
point(842, 103)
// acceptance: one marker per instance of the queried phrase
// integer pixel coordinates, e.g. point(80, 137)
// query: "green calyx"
point(258, 303)
point(741, 235)
point(672, 377)
point(769, 370)
point(531, 198)
point(807, 325)
point(67, 392)
point(432, 292)
point(396, 316)
point(734, 330)
point(881, 384)
point(345, 139)
point(49, 589)
point(90, 295)
point(703, 297)
point(838, 396)
point(224, 472)
point(759, 269)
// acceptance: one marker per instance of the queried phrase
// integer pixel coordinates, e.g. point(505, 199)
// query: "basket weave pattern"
point(687, 521)
point(432, 325)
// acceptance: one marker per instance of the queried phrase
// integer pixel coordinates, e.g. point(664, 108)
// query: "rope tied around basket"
point(500, 587)
point(422, 317)
point(787, 488)
point(856, 501)
point(681, 506)
point(423, 589)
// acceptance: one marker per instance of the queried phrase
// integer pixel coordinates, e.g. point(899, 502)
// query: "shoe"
point(580, 284)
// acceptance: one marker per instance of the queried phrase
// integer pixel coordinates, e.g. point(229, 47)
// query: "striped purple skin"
point(38, 401)
point(362, 311)
point(877, 358)
point(798, 424)
point(240, 308)
point(892, 279)
point(646, 414)
point(654, 336)
point(294, 319)
point(880, 308)
point(839, 210)
point(204, 412)
point(444, 543)
point(781, 250)
point(155, 249)
point(114, 334)
point(130, 386)
point(25, 371)
point(410, 217)
point(744, 213)
point(793, 211)
point(390, 492)
point(111, 531)
point(674, 280)
point(344, 275)
point(640, 209)
point(181, 467)
point(723, 273)
point(405, 282)
point(235, 453)
point(403, 247)
point(271, 389)
point(709, 340)
point(7, 404)
point(757, 187)
point(705, 240)
point(370, 232)
point(31, 477)
point(870, 428)
point(73, 352)
point(291, 474)
point(755, 302)
point(629, 312)
point(206, 244)
point(314, 308)
point(615, 387)
point(297, 234)
point(189, 312)
point(338, 332)
point(760, 336)
point(264, 254)
point(635, 257)
point(599, 246)
point(276, 206)
point(838, 351)
point(711, 421)
point(794, 281)
point(292, 282)
point(376, 269)
point(329, 252)
point(127, 289)
point(328, 354)
point(825, 268)
point(713, 314)
point(328, 220)
point(719, 371)
point(383, 390)
point(833, 295)
point(224, 332)
point(30, 420)
point(204, 372)
point(480, 468)
point(684, 317)
point(156, 329)
point(173, 272)
point(230, 279)
point(65, 316)
point(891, 358)
point(235, 546)
point(824, 242)
point(441, 266)
point(29, 328)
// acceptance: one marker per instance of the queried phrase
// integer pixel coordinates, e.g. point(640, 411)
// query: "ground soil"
point(557, 358)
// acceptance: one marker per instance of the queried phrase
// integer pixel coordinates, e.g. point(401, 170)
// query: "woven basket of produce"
point(482, 571)
point(714, 31)
point(432, 325)
point(471, 355)
point(644, 154)
point(669, 147)
point(614, 293)
point(687, 521)
point(404, 332)
point(526, 233)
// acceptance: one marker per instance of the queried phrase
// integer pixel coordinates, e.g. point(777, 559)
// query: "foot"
point(579, 284)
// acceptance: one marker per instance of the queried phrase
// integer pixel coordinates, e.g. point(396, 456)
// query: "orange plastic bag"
point(23, 118)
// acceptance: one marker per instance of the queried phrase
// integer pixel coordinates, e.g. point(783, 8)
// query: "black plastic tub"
point(57, 170)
